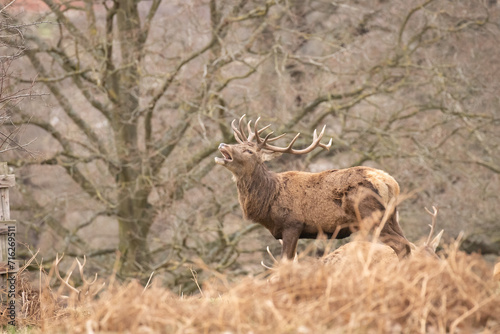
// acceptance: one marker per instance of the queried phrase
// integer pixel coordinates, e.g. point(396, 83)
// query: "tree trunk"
point(135, 218)
point(134, 214)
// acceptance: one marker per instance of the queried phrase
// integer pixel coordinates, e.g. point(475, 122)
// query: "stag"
point(294, 205)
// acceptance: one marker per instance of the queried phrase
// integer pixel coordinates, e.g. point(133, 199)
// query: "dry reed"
point(420, 295)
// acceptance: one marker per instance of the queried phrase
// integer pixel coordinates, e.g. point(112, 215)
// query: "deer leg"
point(290, 238)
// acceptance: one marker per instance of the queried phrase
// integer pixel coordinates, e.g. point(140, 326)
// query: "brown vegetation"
point(137, 97)
point(419, 295)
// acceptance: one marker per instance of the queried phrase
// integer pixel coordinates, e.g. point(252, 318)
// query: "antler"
point(240, 136)
point(65, 282)
point(86, 284)
point(80, 267)
point(276, 262)
point(431, 246)
point(433, 225)
point(272, 258)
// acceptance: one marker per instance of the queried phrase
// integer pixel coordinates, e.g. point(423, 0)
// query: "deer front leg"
point(290, 238)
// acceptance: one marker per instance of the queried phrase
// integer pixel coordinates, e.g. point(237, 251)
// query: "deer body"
point(293, 205)
point(319, 201)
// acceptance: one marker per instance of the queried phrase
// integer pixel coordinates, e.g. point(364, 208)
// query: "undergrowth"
point(455, 294)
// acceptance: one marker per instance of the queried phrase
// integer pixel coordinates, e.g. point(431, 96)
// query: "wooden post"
point(8, 265)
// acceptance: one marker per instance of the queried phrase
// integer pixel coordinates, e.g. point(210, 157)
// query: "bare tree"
point(13, 46)
point(143, 92)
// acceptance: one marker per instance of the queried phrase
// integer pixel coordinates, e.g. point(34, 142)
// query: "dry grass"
point(419, 295)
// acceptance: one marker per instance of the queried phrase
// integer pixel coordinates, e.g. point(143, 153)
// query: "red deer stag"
point(293, 205)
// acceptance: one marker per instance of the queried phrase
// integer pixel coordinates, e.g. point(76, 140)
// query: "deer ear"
point(266, 156)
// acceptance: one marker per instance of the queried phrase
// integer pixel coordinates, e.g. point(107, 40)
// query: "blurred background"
point(112, 112)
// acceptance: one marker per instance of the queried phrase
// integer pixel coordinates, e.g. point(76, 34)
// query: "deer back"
point(361, 252)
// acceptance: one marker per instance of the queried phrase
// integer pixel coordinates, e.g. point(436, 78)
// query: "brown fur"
point(364, 252)
point(293, 205)
point(360, 252)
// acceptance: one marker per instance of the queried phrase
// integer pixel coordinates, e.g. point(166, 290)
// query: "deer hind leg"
point(392, 235)
point(369, 211)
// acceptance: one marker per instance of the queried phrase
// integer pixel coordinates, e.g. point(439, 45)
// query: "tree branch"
point(73, 30)
point(67, 106)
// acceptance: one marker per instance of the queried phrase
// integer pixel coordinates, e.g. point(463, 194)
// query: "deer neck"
point(256, 193)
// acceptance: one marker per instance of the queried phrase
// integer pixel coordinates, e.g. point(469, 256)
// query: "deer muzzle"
point(224, 150)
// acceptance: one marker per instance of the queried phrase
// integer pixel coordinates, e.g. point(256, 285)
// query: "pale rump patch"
point(385, 184)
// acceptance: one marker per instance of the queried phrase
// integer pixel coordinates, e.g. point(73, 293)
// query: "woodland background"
point(123, 104)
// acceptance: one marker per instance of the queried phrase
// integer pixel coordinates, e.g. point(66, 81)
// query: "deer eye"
point(248, 151)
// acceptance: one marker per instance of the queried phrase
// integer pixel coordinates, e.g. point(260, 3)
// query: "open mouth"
point(225, 153)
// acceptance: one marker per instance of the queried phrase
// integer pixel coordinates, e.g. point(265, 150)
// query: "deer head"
point(244, 158)
point(429, 247)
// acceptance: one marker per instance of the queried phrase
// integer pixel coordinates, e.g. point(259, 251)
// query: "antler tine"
point(325, 146)
point(289, 147)
point(272, 257)
point(80, 267)
point(249, 129)
point(65, 282)
point(236, 132)
point(241, 127)
point(265, 265)
point(256, 133)
point(267, 139)
point(433, 224)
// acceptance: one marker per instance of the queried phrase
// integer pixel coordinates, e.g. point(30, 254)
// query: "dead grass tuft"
point(421, 295)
